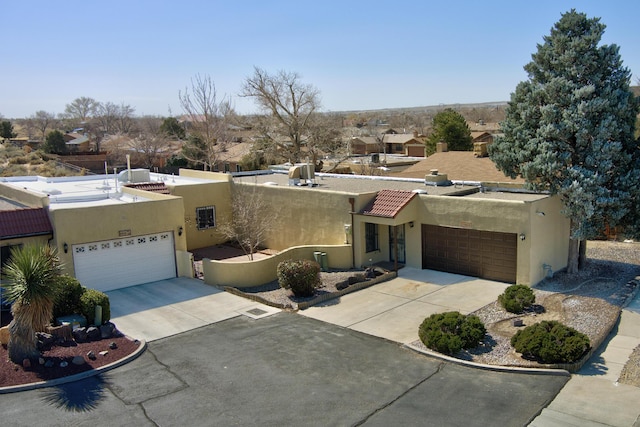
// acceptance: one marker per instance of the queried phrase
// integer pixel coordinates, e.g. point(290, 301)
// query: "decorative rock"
point(106, 330)
point(113, 345)
point(45, 340)
point(78, 360)
point(48, 364)
point(26, 363)
point(62, 332)
point(103, 353)
point(4, 335)
point(93, 333)
point(80, 334)
point(64, 364)
point(91, 355)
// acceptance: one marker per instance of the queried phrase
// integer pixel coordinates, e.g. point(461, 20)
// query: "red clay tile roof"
point(24, 223)
point(150, 186)
point(388, 203)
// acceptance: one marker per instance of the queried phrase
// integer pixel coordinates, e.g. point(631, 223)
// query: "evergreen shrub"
point(68, 293)
point(301, 276)
point(451, 332)
point(550, 342)
point(516, 298)
point(88, 302)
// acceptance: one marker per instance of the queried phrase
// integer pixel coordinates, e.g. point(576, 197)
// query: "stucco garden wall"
point(261, 271)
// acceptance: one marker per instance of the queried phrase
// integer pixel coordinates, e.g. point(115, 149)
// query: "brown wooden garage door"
point(485, 254)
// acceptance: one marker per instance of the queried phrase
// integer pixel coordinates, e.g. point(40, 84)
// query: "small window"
point(238, 168)
point(206, 217)
point(371, 237)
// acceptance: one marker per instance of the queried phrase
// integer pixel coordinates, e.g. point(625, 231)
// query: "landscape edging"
point(82, 375)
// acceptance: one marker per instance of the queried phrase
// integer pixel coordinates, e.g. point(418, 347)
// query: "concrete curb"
point(497, 368)
point(82, 375)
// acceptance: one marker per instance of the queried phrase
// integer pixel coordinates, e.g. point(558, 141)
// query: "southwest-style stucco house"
point(140, 227)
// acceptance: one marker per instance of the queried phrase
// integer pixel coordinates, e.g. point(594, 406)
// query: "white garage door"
point(113, 264)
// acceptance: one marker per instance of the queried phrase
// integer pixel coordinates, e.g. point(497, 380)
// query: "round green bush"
point(550, 342)
point(68, 293)
point(516, 298)
point(301, 276)
point(451, 332)
point(88, 302)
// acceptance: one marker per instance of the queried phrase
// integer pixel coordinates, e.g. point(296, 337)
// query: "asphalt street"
point(283, 370)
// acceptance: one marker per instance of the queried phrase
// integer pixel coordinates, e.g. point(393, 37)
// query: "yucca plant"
point(30, 288)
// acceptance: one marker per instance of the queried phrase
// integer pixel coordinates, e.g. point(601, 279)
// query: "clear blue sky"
point(359, 54)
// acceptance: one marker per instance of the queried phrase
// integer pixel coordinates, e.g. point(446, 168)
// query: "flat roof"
point(89, 190)
point(360, 184)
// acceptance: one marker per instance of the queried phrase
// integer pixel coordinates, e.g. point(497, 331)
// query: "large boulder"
point(93, 333)
point(4, 335)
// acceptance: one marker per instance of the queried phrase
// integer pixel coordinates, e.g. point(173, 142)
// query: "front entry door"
point(396, 233)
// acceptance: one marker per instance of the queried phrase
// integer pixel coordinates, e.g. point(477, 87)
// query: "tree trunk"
point(574, 255)
point(582, 254)
point(22, 342)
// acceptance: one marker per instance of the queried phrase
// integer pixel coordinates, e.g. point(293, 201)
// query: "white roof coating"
point(89, 190)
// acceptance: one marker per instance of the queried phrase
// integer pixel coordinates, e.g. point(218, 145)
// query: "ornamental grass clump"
point(550, 342)
point(517, 298)
point(301, 276)
point(451, 332)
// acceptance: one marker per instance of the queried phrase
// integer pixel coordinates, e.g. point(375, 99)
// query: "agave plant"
point(30, 288)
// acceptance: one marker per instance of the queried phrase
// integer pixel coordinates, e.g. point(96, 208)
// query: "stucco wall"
point(217, 194)
point(547, 239)
point(305, 216)
point(261, 271)
point(76, 225)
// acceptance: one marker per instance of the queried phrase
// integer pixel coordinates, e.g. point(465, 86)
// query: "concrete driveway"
point(394, 309)
point(168, 307)
point(284, 370)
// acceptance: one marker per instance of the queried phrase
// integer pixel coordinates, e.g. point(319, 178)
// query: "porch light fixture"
point(540, 213)
point(65, 247)
point(410, 224)
point(522, 236)
point(180, 230)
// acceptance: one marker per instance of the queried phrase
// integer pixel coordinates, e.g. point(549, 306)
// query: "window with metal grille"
point(371, 237)
point(206, 217)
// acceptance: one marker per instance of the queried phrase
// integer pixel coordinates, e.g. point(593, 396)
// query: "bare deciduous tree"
point(81, 109)
point(290, 104)
point(207, 119)
point(150, 142)
point(249, 226)
point(43, 121)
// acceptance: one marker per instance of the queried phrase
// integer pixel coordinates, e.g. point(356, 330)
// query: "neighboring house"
point(459, 166)
point(21, 225)
point(363, 145)
point(481, 136)
point(109, 235)
point(230, 157)
point(406, 144)
point(76, 142)
point(140, 227)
